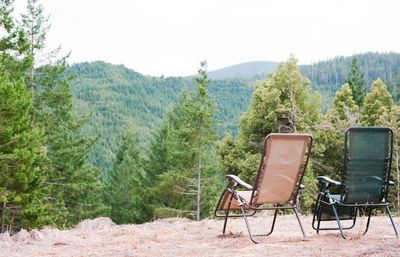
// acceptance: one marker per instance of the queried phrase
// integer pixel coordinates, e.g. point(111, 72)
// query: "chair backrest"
point(281, 168)
point(366, 165)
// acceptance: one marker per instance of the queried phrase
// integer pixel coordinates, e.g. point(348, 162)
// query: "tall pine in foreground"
point(72, 187)
point(23, 170)
point(75, 186)
point(182, 164)
point(23, 193)
point(125, 190)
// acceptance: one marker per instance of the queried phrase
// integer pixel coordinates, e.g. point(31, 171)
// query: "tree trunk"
point(398, 176)
point(198, 186)
point(198, 198)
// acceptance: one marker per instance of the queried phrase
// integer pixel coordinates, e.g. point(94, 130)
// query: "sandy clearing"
point(182, 237)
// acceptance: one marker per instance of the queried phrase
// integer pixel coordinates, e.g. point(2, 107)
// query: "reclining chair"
point(278, 181)
point(364, 182)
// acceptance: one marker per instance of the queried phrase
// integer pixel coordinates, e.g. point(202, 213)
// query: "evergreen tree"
point(22, 174)
point(73, 188)
point(376, 103)
point(391, 119)
point(379, 110)
point(126, 189)
point(188, 179)
point(344, 106)
point(13, 43)
point(355, 78)
point(328, 146)
point(35, 27)
point(75, 185)
point(282, 103)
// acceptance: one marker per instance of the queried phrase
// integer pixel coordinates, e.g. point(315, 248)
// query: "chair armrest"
point(373, 178)
point(378, 179)
point(237, 180)
point(325, 179)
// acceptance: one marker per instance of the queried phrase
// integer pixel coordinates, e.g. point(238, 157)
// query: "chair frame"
point(234, 182)
point(326, 182)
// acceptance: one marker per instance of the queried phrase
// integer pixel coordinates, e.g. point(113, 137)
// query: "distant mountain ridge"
point(247, 70)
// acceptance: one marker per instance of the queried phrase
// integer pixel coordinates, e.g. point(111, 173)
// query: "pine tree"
point(35, 27)
point(328, 146)
point(187, 181)
point(344, 106)
point(126, 189)
point(76, 189)
point(376, 103)
point(22, 174)
point(355, 78)
point(391, 118)
point(73, 188)
point(13, 43)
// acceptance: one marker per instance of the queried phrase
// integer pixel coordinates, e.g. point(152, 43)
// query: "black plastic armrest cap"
point(325, 179)
point(233, 178)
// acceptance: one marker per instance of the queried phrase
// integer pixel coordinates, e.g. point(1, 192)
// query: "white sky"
point(171, 37)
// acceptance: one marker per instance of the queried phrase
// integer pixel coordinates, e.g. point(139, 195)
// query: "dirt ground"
point(181, 237)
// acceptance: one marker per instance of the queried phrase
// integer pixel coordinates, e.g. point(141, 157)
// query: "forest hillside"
point(116, 97)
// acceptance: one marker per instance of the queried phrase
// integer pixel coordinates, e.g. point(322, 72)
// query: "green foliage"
point(126, 191)
point(309, 193)
point(328, 76)
point(328, 147)
point(355, 79)
point(282, 103)
point(116, 97)
point(391, 119)
point(376, 103)
point(182, 164)
point(344, 105)
point(22, 170)
point(75, 186)
point(69, 185)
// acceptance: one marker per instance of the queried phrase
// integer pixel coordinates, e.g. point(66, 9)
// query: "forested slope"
point(328, 76)
point(115, 97)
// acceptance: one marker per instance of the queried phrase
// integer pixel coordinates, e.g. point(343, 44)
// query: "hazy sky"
point(171, 37)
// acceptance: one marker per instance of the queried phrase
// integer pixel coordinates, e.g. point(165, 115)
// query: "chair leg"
point(391, 220)
point(227, 214)
point(273, 223)
point(317, 215)
point(355, 218)
point(369, 218)
point(298, 219)
point(247, 225)
point(338, 221)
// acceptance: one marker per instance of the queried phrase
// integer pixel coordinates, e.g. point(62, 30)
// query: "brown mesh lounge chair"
point(277, 183)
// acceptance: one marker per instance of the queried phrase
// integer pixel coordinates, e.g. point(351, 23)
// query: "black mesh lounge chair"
point(277, 184)
point(365, 180)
